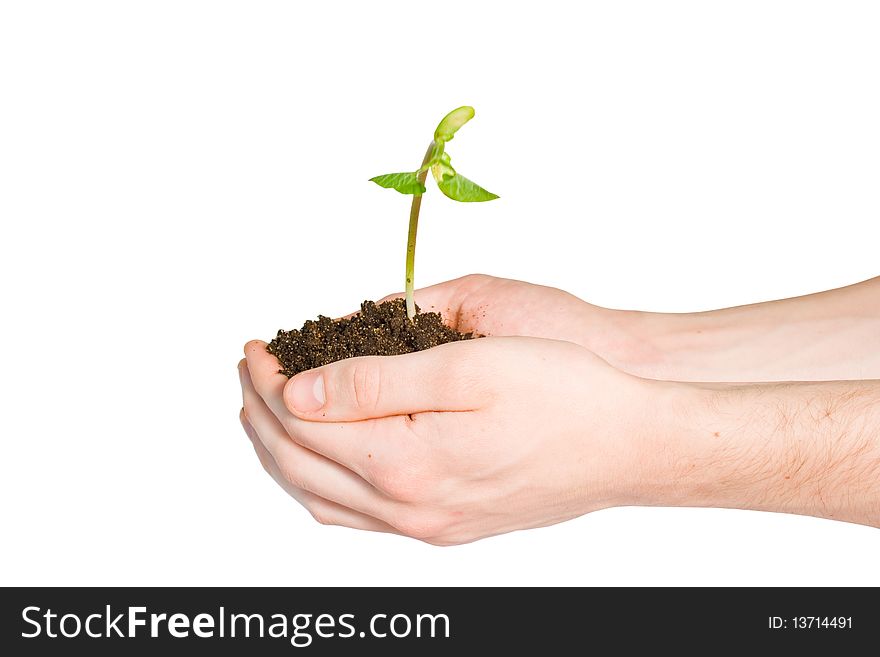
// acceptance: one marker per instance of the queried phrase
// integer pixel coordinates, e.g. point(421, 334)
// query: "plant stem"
point(411, 237)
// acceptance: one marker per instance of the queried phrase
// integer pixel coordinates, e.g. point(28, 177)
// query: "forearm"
point(804, 448)
point(833, 335)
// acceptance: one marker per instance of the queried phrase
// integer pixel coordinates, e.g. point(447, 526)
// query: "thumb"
point(443, 378)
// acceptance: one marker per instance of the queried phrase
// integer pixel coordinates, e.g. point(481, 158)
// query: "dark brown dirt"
point(382, 330)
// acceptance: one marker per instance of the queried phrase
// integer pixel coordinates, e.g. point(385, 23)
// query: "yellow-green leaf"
point(459, 188)
point(452, 122)
point(405, 183)
point(442, 168)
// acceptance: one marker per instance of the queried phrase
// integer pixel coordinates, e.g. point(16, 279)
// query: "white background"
point(179, 177)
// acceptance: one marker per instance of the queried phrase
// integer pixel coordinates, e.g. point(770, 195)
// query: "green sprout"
point(451, 183)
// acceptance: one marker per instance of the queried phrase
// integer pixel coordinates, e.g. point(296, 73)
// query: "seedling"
point(450, 182)
point(377, 329)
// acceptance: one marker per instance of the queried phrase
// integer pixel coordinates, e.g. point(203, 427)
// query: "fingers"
point(444, 378)
point(324, 511)
point(360, 446)
point(399, 485)
point(267, 461)
point(304, 469)
point(263, 370)
point(357, 446)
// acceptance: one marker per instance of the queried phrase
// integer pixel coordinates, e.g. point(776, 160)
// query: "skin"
point(567, 408)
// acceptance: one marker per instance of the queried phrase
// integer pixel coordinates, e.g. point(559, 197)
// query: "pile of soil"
point(382, 330)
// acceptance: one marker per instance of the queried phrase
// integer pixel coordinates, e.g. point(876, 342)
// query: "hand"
point(824, 336)
point(456, 443)
point(492, 306)
point(501, 307)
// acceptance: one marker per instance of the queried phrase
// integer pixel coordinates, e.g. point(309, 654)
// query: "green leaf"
point(459, 188)
point(442, 168)
point(405, 183)
point(452, 122)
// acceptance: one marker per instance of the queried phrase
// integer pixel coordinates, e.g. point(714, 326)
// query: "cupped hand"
point(502, 307)
point(455, 443)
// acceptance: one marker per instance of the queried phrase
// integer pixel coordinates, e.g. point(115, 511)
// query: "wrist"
point(661, 447)
point(648, 345)
point(694, 445)
point(691, 447)
point(650, 438)
point(679, 347)
point(721, 445)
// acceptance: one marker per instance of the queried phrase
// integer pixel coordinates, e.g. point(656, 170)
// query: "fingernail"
point(307, 392)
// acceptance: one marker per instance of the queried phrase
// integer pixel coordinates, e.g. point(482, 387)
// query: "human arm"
point(831, 335)
point(825, 336)
point(481, 437)
point(808, 448)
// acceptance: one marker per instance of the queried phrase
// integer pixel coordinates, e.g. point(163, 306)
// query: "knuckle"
point(263, 463)
point(442, 542)
point(321, 517)
point(366, 381)
point(390, 481)
point(406, 483)
point(292, 426)
point(419, 525)
point(292, 474)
